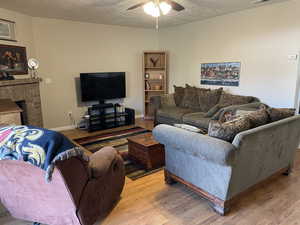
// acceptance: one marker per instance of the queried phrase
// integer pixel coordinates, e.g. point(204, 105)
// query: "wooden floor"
point(149, 201)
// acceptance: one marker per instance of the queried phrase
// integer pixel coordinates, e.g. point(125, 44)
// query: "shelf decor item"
point(7, 30)
point(33, 65)
point(154, 61)
point(13, 60)
point(155, 70)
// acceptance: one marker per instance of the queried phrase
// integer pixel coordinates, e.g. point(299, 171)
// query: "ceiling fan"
point(156, 8)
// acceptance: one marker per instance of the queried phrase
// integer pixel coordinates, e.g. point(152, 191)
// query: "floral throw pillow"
point(228, 130)
point(276, 114)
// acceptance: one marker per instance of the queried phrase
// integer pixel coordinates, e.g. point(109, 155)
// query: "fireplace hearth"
point(26, 94)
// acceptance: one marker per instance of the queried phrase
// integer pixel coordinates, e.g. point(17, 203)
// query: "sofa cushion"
point(196, 119)
point(207, 99)
point(228, 130)
point(276, 114)
point(178, 95)
point(257, 117)
point(174, 113)
point(190, 99)
point(168, 100)
point(232, 108)
point(229, 99)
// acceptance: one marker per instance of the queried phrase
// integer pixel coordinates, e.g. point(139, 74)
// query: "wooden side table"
point(10, 113)
point(146, 151)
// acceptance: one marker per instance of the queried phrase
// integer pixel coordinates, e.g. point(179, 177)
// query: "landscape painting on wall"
point(222, 74)
point(13, 59)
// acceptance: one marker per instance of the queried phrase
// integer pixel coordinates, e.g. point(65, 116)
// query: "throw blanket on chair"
point(38, 146)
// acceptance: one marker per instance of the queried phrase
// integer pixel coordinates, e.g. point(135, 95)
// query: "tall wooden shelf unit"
point(155, 78)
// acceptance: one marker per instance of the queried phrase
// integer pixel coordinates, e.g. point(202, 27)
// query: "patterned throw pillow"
point(276, 114)
point(257, 117)
point(229, 99)
point(228, 130)
point(208, 98)
point(190, 99)
point(178, 95)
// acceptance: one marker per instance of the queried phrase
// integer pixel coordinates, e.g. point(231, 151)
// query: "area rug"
point(118, 140)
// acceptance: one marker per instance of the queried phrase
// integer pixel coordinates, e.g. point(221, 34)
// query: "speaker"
point(130, 117)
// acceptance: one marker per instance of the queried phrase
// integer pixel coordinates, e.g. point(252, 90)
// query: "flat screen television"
point(102, 86)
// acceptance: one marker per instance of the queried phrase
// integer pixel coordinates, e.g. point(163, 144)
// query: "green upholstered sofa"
point(198, 106)
point(220, 171)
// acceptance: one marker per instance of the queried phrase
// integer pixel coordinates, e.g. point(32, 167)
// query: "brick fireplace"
point(26, 93)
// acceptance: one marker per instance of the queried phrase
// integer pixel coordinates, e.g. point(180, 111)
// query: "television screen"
point(101, 86)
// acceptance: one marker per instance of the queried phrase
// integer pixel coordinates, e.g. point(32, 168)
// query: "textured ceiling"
point(114, 11)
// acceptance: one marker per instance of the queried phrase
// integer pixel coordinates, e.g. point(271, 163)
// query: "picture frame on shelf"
point(7, 30)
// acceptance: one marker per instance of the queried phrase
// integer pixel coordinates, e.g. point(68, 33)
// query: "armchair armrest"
point(198, 145)
point(101, 161)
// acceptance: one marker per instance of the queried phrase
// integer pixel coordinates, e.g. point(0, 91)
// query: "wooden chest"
point(146, 151)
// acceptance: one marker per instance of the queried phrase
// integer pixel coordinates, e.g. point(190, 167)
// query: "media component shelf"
point(106, 116)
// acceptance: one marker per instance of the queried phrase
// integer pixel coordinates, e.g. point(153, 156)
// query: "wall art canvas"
point(13, 60)
point(221, 74)
point(7, 30)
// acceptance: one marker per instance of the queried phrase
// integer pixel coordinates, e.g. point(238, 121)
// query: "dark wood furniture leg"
point(220, 206)
point(288, 171)
point(168, 178)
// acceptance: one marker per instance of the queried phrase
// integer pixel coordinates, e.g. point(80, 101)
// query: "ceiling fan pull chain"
point(156, 26)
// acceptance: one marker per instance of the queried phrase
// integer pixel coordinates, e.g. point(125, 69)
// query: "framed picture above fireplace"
point(13, 60)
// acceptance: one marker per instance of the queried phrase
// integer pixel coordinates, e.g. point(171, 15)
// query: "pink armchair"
point(80, 192)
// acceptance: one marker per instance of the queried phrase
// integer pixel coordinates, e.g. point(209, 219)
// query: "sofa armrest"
point(101, 161)
point(198, 145)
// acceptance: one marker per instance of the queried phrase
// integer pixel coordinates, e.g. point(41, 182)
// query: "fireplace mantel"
point(26, 91)
point(18, 82)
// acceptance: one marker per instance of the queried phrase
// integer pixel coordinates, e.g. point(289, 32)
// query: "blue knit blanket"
point(38, 146)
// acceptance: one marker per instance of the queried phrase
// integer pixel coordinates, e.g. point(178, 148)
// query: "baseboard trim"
point(70, 127)
point(139, 116)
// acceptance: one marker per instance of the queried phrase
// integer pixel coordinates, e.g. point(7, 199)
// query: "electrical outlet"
point(70, 113)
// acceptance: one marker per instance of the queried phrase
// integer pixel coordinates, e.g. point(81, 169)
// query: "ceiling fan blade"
point(176, 6)
point(136, 6)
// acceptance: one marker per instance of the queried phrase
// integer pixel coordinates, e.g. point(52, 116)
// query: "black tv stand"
point(103, 105)
point(105, 116)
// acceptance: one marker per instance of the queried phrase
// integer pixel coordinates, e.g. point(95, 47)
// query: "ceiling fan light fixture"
point(165, 8)
point(151, 9)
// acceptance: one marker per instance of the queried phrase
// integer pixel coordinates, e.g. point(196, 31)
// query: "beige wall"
point(261, 38)
point(24, 32)
point(65, 49)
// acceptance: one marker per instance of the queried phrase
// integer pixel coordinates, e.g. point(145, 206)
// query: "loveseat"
point(197, 106)
point(220, 171)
